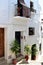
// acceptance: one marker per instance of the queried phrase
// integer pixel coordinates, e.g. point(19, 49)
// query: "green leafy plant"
point(15, 46)
point(27, 49)
point(33, 51)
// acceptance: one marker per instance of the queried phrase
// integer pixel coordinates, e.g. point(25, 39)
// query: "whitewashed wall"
point(7, 12)
point(3, 11)
point(41, 17)
point(23, 27)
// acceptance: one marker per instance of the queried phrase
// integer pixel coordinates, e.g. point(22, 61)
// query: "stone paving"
point(3, 62)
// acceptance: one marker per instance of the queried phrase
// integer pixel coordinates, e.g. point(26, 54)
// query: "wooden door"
point(1, 42)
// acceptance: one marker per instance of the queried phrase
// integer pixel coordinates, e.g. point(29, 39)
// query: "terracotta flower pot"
point(26, 57)
point(14, 61)
point(33, 57)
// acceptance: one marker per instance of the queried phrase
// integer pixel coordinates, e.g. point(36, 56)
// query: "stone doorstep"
point(19, 58)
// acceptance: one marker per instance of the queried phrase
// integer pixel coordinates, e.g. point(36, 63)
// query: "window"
point(31, 31)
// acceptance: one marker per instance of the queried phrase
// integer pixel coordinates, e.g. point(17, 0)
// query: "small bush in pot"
point(14, 46)
point(27, 50)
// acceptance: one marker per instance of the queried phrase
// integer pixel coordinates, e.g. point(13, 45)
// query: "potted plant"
point(15, 49)
point(27, 50)
point(33, 52)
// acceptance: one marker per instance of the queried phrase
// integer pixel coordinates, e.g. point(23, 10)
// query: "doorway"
point(17, 37)
point(1, 42)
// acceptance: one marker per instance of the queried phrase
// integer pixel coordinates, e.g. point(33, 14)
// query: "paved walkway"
point(3, 62)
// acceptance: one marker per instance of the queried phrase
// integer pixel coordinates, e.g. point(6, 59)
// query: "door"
point(17, 37)
point(1, 42)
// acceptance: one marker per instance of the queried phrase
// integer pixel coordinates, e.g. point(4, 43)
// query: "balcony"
point(21, 18)
point(22, 10)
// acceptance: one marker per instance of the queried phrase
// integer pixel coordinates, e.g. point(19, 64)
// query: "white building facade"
point(12, 24)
